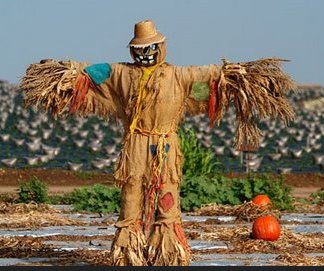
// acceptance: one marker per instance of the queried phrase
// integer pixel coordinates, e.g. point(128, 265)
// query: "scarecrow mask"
point(149, 55)
point(147, 47)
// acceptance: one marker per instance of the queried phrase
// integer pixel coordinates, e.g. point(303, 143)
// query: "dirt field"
point(59, 181)
point(62, 181)
point(49, 236)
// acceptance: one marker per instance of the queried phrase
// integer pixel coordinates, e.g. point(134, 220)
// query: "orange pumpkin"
point(266, 228)
point(262, 201)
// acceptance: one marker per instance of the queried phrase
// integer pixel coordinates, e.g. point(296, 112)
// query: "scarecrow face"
point(149, 55)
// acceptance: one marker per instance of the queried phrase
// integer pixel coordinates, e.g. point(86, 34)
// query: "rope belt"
point(156, 182)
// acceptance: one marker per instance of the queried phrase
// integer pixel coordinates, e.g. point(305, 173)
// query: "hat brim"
point(141, 42)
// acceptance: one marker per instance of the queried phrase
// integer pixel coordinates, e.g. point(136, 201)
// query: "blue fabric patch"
point(99, 72)
point(153, 148)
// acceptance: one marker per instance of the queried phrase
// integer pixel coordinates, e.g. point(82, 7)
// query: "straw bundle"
point(257, 90)
point(49, 84)
point(168, 246)
point(128, 247)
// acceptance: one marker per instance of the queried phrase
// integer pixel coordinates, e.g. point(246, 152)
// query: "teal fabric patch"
point(154, 147)
point(200, 91)
point(99, 72)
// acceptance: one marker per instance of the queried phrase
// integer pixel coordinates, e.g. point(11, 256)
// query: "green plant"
point(317, 197)
point(60, 199)
point(97, 198)
point(195, 191)
point(33, 190)
point(275, 188)
point(198, 190)
point(198, 160)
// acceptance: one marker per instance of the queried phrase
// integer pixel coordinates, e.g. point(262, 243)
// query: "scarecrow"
point(151, 97)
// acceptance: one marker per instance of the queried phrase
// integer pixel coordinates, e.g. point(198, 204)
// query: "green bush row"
point(97, 198)
point(202, 183)
point(198, 190)
point(195, 191)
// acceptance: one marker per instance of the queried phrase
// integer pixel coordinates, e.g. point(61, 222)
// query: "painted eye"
point(146, 49)
point(153, 46)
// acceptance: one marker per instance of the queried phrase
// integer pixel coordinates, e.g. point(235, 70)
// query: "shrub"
point(60, 199)
point(318, 197)
point(275, 189)
point(198, 160)
point(33, 190)
point(198, 190)
point(98, 198)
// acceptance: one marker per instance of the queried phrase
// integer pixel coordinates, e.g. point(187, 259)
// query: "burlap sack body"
point(162, 111)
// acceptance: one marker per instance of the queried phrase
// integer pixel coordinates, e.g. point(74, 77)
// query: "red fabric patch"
point(166, 202)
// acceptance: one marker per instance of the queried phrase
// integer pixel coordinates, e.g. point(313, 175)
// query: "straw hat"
point(145, 34)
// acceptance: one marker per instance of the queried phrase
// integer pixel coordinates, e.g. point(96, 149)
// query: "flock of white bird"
point(32, 138)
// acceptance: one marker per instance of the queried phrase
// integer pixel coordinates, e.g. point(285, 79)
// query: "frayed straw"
point(49, 85)
point(166, 249)
point(61, 87)
point(128, 247)
point(257, 91)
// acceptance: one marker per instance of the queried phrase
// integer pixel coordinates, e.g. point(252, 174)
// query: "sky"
point(198, 32)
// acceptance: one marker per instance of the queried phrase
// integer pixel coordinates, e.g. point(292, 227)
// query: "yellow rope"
point(142, 93)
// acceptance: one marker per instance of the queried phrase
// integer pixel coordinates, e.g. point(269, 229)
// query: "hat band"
point(142, 45)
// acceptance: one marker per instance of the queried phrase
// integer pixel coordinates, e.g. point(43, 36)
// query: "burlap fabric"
point(162, 110)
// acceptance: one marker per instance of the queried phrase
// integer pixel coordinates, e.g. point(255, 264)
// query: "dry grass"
point(32, 215)
point(240, 241)
point(243, 212)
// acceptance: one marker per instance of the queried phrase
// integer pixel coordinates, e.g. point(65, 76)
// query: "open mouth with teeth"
point(146, 56)
point(146, 59)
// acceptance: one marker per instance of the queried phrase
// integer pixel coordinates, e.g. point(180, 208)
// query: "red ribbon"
point(212, 102)
point(81, 89)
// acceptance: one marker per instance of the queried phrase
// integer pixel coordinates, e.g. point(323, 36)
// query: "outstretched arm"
point(194, 80)
point(257, 91)
point(61, 87)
